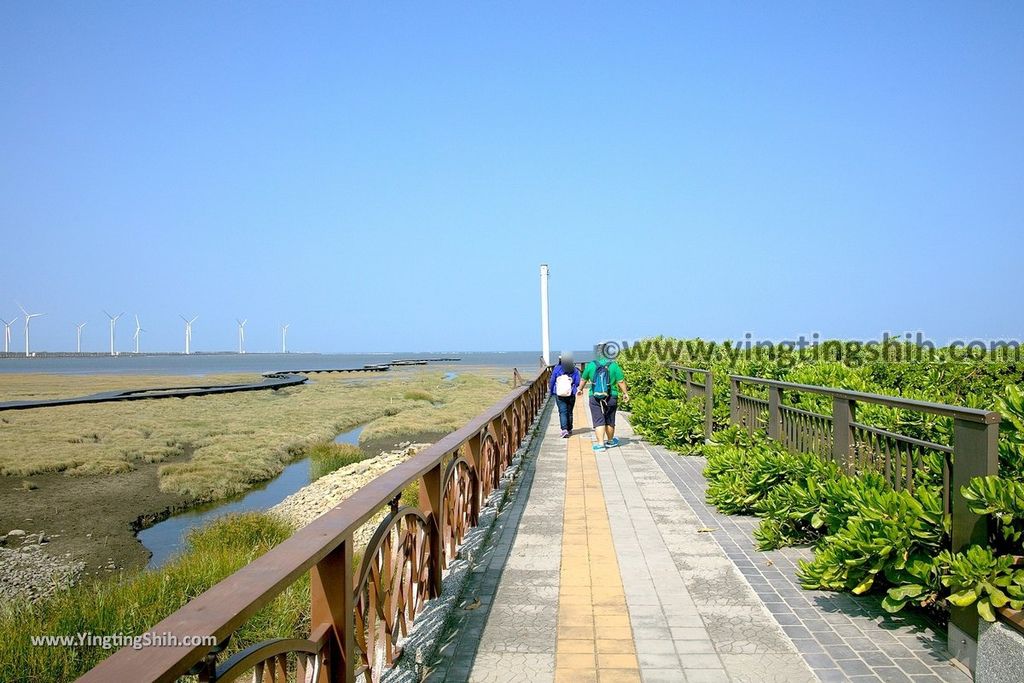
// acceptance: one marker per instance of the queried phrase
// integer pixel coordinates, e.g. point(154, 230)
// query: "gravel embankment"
point(313, 500)
point(30, 571)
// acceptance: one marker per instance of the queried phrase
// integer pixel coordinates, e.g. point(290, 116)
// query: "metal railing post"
point(709, 405)
point(775, 413)
point(475, 457)
point(975, 454)
point(843, 411)
point(332, 602)
point(432, 503)
point(734, 401)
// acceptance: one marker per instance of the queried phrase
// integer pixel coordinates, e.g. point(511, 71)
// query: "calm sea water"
point(197, 364)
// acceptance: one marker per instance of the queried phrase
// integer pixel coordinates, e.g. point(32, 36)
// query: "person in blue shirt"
point(565, 381)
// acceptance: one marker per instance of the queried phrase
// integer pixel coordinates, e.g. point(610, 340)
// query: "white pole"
point(112, 323)
point(544, 321)
point(27, 319)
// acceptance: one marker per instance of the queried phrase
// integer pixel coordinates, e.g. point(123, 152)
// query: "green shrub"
point(918, 582)
point(741, 477)
point(889, 529)
point(328, 456)
point(1004, 500)
point(133, 602)
point(673, 422)
point(1011, 432)
point(978, 577)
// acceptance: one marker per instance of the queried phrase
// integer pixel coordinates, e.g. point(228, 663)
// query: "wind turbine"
point(188, 333)
point(113, 326)
point(241, 334)
point(28, 319)
point(79, 336)
point(7, 333)
point(138, 333)
point(284, 338)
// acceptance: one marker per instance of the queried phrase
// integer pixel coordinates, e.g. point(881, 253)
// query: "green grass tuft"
point(133, 602)
point(419, 395)
point(328, 456)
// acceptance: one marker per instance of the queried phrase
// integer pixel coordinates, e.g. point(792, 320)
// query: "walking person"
point(565, 380)
point(607, 384)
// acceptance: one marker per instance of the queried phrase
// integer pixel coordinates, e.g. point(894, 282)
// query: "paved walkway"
point(610, 567)
point(842, 636)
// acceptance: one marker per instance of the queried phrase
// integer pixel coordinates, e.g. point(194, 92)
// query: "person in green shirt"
point(607, 383)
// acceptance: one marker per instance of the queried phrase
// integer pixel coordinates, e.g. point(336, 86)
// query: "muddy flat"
point(92, 517)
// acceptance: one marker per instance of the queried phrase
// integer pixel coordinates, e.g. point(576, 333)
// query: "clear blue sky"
point(390, 176)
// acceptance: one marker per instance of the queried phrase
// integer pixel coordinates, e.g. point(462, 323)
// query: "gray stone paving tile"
point(658, 660)
point(892, 675)
point(879, 658)
point(673, 675)
point(853, 628)
point(854, 667)
point(912, 666)
point(659, 647)
point(708, 609)
point(820, 661)
point(706, 676)
point(512, 667)
point(693, 647)
point(511, 637)
point(769, 668)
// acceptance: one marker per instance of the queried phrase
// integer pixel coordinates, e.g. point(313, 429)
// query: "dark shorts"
point(603, 412)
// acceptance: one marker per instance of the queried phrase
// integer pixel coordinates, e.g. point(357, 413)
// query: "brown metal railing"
point(702, 388)
point(358, 619)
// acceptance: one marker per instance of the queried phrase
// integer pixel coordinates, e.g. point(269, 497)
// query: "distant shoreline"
point(130, 354)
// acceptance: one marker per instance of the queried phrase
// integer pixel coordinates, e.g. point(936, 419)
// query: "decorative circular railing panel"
point(393, 585)
point(459, 508)
point(280, 660)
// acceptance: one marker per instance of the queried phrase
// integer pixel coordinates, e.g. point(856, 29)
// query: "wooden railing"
point(358, 618)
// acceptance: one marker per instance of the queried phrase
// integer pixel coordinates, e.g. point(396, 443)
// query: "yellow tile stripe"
point(595, 640)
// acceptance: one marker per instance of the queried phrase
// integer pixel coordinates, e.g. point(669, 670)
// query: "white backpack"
point(563, 385)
